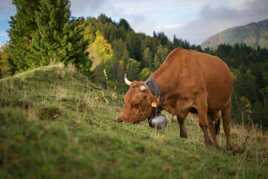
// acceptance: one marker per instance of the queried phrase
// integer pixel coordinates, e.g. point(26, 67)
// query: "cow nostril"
point(119, 119)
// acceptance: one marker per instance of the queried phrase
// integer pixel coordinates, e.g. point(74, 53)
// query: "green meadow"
point(55, 123)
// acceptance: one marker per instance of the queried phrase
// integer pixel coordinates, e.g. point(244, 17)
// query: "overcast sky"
point(193, 20)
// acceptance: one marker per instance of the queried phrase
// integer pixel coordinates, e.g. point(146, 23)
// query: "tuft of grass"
point(55, 123)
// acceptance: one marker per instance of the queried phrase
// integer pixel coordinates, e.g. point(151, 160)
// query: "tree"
point(5, 68)
point(117, 66)
point(104, 19)
point(47, 36)
point(160, 56)
point(89, 32)
point(245, 107)
point(180, 43)
point(22, 26)
point(133, 69)
point(145, 73)
point(100, 50)
point(147, 58)
point(124, 25)
point(164, 41)
point(74, 45)
point(134, 46)
point(245, 85)
point(52, 40)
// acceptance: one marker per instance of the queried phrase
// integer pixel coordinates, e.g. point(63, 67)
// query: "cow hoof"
point(235, 149)
point(229, 148)
point(217, 146)
point(183, 135)
point(208, 142)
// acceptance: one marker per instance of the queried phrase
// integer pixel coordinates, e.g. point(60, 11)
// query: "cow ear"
point(154, 104)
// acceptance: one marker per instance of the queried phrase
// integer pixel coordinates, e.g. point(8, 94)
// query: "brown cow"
point(187, 81)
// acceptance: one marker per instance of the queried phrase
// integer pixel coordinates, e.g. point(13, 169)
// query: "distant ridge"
point(254, 34)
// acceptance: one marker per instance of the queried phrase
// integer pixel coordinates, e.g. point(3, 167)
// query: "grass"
point(55, 123)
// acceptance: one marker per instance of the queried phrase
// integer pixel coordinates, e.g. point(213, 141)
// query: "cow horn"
point(126, 80)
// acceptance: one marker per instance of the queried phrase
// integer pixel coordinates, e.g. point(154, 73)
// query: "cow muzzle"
point(119, 119)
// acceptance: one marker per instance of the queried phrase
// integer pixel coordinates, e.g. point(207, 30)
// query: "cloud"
point(6, 9)
point(215, 19)
point(143, 15)
point(193, 20)
point(112, 8)
point(90, 7)
point(5, 4)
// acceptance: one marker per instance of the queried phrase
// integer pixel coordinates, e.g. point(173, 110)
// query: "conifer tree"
point(22, 26)
point(160, 56)
point(49, 35)
point(147, 57)
point(51, 18)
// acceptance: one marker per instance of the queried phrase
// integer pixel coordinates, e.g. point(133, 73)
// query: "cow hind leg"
point(203, 119)
point(203, 123)
point(216, 116)
point(183, 132)
point(213, 122)
point(226, 117)
point(217, 126)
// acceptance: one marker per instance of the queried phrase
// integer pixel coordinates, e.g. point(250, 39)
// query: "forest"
point(43, 32)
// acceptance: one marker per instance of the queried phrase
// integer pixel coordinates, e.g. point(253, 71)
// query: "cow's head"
point(139, 102)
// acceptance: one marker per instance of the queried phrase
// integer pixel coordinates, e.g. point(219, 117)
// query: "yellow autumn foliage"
point(100, 51)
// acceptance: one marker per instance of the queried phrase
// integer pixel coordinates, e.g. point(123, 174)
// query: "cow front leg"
point(183, 132)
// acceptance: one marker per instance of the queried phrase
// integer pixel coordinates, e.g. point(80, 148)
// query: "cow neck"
point(163, 78)
point(151, 84)
point(153, 87)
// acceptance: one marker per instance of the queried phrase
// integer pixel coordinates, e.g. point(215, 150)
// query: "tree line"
point(43, 32)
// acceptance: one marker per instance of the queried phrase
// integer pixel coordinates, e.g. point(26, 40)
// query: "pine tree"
point(147, 58)
point(22, 26)
point(52, 37)
point(51, 17)
point(145, 73)
point(160, 56)
point(75, 46)
point(133, 69)
point(134, 46)
point(121, 55)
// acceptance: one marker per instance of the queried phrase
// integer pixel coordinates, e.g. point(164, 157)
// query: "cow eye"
point(135, 105)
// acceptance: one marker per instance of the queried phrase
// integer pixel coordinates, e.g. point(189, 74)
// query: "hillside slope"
point(254, 35)
point(54, 123)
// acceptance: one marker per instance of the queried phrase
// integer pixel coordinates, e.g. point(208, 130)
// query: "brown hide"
point(186, 75)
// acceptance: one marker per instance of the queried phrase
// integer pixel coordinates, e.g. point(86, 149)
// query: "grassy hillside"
point(55, 123)
point(254, 35)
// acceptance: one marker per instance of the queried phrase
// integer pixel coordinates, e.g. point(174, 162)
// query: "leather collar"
point(153, 87)
point(155, 90)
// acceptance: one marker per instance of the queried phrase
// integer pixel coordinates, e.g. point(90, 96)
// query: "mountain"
point(253, 34)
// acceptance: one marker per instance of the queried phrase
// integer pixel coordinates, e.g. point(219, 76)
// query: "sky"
point(192, 20)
